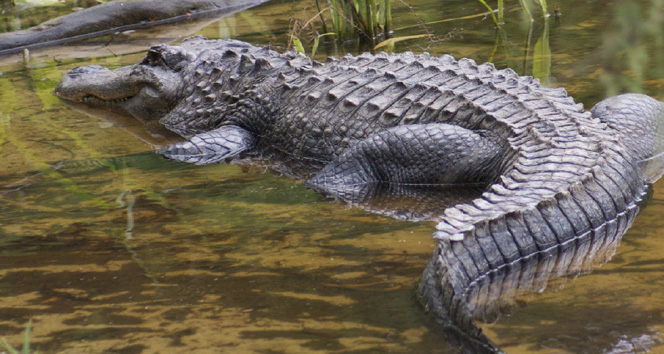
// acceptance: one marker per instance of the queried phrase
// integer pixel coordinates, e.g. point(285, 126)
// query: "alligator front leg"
point(413, 154)
point(210, 147)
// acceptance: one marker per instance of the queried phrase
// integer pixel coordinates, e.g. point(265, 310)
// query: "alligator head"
point(146, 91)
point(162, 90)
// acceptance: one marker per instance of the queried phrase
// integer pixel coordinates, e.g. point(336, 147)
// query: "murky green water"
point(109, 248)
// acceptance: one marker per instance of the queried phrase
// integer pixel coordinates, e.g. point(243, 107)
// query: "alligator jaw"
point(92, 99)
point(96, 85)
point(144, 92)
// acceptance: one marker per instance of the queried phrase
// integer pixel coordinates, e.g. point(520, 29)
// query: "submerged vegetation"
point(25, 348)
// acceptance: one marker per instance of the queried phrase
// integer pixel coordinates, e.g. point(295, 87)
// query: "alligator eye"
point(174, 58)
point(154, 56)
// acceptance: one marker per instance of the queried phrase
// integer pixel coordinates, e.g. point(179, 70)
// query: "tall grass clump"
point(368, 19)
point(362, 21)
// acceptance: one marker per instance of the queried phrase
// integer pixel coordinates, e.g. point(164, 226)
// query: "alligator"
point(552, 175)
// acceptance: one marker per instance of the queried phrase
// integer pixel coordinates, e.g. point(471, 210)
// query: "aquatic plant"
point(25, 349)
point(525, 7)
point(367, 21)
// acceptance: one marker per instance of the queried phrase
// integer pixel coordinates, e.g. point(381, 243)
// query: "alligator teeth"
point(92, 99)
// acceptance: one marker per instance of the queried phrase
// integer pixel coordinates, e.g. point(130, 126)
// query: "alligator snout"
point(94, 81)
point(76, 83)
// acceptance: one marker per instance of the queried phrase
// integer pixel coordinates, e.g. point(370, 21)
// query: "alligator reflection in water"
point(410, 202)
point(154, 135)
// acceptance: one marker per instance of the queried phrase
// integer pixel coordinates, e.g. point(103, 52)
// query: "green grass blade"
point(526, 9)
point(543, 7)
point(26, 338)
point(320, 15)
point(542, 57)
point(392, 41)
point(501, 13)
point(493, 16)
point(387, 16)
point(314, 49)
point(7, 346)
point(298, 45)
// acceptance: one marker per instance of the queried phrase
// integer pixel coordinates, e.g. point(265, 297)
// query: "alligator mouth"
point(92, 99)
point(98, 86)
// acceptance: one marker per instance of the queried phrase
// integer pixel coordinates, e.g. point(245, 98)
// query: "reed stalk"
point(369, 19)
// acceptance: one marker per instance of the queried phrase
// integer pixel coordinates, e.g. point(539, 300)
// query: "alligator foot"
point(210, 147)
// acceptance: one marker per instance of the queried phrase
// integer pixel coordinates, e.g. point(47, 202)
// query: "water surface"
point(107, 247)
